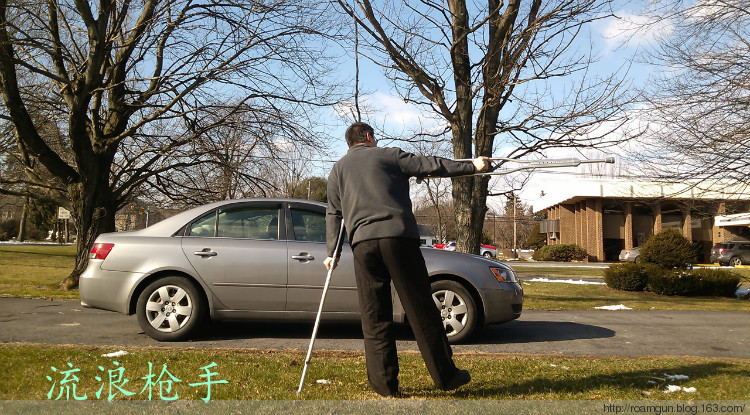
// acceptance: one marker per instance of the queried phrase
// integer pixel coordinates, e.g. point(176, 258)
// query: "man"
point(369, 189)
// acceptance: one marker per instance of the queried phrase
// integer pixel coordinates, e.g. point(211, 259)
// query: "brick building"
point(604, 217)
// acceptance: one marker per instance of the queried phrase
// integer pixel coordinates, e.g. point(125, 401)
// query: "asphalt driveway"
point(571, 333)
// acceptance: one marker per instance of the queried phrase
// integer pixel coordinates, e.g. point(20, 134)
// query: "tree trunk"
point(22, 223)
point(469, 198)
point(94, 208)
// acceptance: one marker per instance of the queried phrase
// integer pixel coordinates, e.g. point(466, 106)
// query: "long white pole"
point(339, 241)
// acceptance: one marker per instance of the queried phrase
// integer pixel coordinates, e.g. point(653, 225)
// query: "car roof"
point(172, 224)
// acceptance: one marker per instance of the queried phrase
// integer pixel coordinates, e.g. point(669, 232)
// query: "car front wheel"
point(487, 255)
point(457, 309)
point(735, 261)
point(170, 309)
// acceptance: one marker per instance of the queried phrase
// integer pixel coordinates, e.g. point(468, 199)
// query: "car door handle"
point(205, 253)
point(303, 256)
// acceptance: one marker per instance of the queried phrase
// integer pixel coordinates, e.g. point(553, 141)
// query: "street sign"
point(63, 213)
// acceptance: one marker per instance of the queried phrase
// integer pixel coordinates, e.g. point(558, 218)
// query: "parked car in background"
point(630, 255)
point(262, 259)
point(487, 251)
point(731, 253)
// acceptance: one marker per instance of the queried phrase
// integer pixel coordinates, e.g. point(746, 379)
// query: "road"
point(568, 333)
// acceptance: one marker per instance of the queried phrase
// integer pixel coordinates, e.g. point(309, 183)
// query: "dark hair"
point(356, 133)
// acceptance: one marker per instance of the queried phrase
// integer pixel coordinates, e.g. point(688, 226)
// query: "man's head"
point(360, 133)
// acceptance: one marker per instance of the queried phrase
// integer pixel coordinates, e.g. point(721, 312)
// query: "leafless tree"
point(697, 116)
point(129, 86)
point(487, 71)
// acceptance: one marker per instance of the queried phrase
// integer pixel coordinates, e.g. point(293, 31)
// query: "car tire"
point(636, 260)
point(735, 261)
point(171, 309)
point(487, 255)
point(457, 308)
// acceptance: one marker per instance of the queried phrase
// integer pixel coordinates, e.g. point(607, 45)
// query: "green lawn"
point(36, 271)
point(259, 375)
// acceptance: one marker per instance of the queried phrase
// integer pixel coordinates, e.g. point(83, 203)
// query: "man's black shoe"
point(461, 378)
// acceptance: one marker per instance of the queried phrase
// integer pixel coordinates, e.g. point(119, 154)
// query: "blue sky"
point(613, 40)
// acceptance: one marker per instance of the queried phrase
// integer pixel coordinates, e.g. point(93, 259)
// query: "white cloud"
point(632, 30)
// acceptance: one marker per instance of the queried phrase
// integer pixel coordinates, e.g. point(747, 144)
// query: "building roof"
point(586, 188)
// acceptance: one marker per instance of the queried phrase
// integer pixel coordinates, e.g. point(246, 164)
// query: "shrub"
point(668, 249)
point(560, 253)
point(9, 229)
point(626, 277)
point(703, 282)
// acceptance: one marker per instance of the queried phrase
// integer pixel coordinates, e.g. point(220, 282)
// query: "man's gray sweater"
point(369, 188)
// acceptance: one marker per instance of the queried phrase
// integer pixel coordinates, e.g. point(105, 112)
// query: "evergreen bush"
point(668, 249)
point(9, 229)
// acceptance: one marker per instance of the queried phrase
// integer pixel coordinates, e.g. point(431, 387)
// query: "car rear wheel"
point(487, 255)
point(735, 261)
point(171, 309)
point(457, 309)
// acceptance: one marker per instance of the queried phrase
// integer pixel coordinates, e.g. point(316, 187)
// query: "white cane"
point(526, 165)
point(339, 241)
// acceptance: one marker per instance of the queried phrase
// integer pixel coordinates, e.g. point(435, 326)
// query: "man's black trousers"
point(376, 263)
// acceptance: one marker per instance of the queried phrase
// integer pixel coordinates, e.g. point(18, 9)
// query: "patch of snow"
point(116, 354)
point(323, 381)
point(613, 307)
point(675, 388)
point(577, 282)
point(676, 377)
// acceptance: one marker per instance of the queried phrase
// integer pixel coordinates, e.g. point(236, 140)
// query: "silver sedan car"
point(262, 259)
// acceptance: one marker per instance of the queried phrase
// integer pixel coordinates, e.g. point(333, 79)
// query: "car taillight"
point(721, 251)
point(100, 251)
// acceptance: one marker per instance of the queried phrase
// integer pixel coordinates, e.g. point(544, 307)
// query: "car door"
point(240, 250)
point(306, 230)
point(745, 253)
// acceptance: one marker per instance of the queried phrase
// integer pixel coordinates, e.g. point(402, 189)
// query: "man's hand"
point(328, 262)
point(481, 164)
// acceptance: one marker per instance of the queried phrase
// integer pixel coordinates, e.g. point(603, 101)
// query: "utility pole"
point(515, 227)
point(494, 229)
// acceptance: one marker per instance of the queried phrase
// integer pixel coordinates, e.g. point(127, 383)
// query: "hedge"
point(699, 282)
point(560, 253)
point(626, 277)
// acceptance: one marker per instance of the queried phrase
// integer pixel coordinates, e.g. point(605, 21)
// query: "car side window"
point(308, 226)
point(249, 223)
point(203, 227)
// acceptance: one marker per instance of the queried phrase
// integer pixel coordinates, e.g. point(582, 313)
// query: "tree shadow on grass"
point(628, 382)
